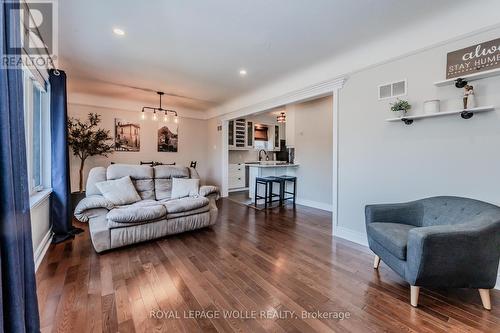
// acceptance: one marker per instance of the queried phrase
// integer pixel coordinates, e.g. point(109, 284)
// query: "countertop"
point(271, 165)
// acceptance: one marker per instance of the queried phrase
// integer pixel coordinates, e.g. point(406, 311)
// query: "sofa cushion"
point(185, 204)
point(163, 189)
point(200, 210)
point(138, 213)
point(96, 175)
point(135, 172)
point(119, 191)
point(163, 179)
point(170, 171)
point(89, 203)
point(392, 236)
point(207, 190)
point(141, 176)
point(183, 187)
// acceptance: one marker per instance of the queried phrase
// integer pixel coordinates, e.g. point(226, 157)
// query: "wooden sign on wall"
point(473, 59)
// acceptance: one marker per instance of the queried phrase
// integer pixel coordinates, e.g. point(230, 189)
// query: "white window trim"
point(38, 192)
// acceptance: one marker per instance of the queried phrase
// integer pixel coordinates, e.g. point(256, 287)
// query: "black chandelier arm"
point(171, 111)
point(160, 109)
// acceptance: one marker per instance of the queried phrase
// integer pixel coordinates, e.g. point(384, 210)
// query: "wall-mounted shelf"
point(469, 77)
point(465, 114)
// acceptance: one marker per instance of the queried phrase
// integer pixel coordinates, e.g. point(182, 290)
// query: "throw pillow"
point(185, 187)
point(119, 191)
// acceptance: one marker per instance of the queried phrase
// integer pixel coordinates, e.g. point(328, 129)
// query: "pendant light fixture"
point(281, 118)
point(160, 110)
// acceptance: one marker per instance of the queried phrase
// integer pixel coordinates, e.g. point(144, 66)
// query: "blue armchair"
point(438, 242)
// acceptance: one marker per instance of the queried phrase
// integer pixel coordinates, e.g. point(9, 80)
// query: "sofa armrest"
point(89, 203)
point(406, 213)
point(209, 191)
point(461, 255)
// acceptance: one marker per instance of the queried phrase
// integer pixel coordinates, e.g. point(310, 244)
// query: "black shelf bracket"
point(466, 114)
point(407, 121)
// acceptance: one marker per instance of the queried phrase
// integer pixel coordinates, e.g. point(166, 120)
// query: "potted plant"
point(86, 140)
point(400, 106)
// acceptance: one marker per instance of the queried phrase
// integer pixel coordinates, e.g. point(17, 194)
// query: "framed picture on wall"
point(168, 138)
point(127, 135)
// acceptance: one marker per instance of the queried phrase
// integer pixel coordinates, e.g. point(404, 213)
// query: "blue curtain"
point(19, 306)
point(61, 215)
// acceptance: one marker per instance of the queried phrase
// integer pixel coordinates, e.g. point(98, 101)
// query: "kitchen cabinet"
point(276, 137)
point(237, 134)
point(240, 133)
point(230, 134)
point(250, 135)
point(237, 176)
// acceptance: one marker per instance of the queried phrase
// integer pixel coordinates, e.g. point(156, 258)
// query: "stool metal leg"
point(265, 198)
point(270, 194)
point(282, 192)
point(294, 191)
point(255, 193)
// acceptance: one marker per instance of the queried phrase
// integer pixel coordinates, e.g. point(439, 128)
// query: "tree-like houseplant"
point(86, 140)
point(400, 106)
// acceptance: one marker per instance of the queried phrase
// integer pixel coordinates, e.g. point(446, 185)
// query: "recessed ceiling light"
point(119, 32)
point(243, 72)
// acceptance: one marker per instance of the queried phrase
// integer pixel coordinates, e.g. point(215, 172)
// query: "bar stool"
point(283, 191)
point(268, 194)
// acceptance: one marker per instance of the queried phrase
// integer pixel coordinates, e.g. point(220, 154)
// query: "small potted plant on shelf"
point(86, 140)
point(400, 106)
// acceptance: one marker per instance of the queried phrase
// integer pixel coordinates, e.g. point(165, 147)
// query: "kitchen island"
point(265, 169)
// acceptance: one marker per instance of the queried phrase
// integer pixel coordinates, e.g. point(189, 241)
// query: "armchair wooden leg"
point(485, 298)
point(414, 290)
point(376, 262)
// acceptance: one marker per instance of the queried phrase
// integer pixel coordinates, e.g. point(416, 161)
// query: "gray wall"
point(314, 151)
point(391, 162)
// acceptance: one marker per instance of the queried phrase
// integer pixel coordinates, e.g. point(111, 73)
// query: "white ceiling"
point(196, 48)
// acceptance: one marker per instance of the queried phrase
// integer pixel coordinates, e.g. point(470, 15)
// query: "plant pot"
point(76, 197)
point(402, 113)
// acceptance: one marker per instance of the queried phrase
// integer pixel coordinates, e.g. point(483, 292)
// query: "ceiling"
point(195, 49)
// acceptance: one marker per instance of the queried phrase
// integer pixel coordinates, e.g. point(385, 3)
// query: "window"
point(37, 133)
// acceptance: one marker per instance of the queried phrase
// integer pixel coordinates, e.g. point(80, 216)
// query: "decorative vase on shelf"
point(471, 101)
point(402, 113)
point(431, 106)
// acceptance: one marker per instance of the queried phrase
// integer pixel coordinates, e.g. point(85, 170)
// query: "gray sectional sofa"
point(155, 215)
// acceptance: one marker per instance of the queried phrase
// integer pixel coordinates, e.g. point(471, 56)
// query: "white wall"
point(192, 142)
point(393, 162)
point(314, 151)
point(478, 15)
point(214, 151)
point(40, 229)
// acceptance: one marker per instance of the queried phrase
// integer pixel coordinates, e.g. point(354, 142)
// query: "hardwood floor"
point(274, 261)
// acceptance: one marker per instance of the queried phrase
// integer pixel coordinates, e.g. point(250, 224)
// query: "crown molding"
point(317, 90)
point(104, 102)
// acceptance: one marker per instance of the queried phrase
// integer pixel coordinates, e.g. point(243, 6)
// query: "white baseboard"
point(314, 204)
point(42, 249)
point(351, 235)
